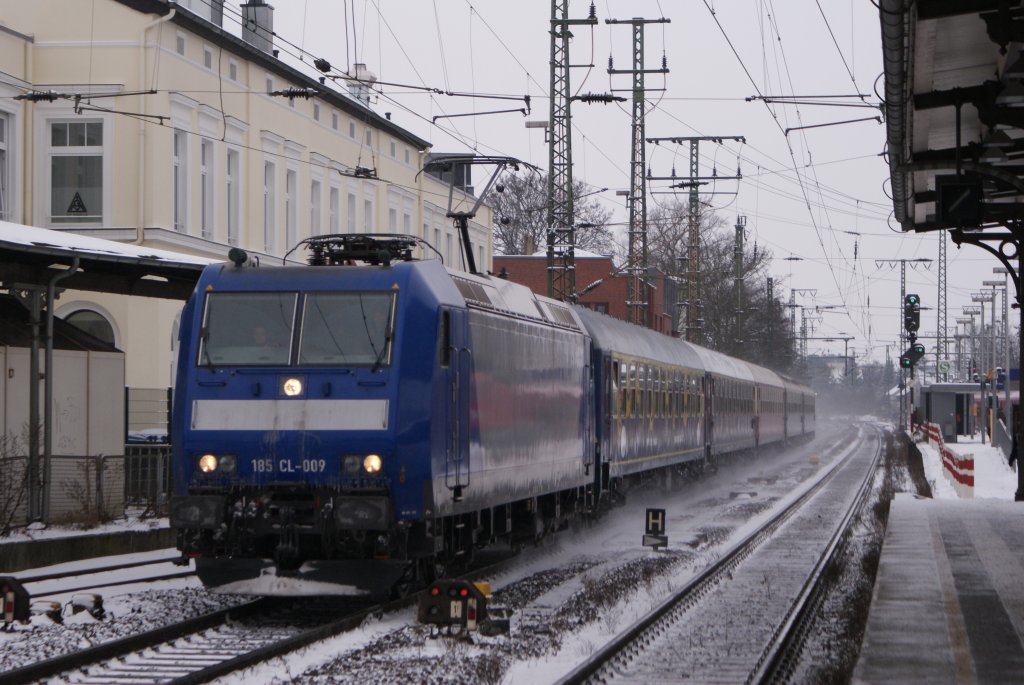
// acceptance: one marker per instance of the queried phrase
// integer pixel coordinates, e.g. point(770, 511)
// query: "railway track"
point(742, 619)
point(206, 647)
point(98, 577)
point(200, 649)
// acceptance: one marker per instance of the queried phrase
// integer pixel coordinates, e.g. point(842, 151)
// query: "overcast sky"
point(816, 196)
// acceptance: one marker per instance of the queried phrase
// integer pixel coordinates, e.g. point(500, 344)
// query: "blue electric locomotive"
point(368, 425)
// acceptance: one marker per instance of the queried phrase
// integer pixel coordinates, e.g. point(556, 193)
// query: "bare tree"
point(763, 338)
point(13, 480)
point(521, 214)
point(668, 233)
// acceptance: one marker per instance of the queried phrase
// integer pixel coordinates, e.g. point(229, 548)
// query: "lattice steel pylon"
point(741, 223)
point(561, 247)
point(693, 325)
point(694, 316)
point(940, 340)
point(636, 264)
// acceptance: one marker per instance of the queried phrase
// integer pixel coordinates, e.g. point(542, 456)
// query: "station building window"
point(5, 174)
point(75, 172)
point(93, 323)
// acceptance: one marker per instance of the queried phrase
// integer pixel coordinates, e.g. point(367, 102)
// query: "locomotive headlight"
point(208, 463)
point(372, 463)
point(292, 387)
point(357, 465)
point(350, 464)
point(228, 463)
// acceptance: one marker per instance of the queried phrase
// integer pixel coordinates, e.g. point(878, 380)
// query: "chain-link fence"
point(89, 490)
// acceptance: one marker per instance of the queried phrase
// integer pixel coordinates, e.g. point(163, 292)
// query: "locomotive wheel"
point(433, 569)
point(409, 583)
point(418, 574)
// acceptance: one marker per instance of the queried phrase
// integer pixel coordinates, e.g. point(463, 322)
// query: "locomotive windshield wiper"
point(204, 339)
point(383, 350)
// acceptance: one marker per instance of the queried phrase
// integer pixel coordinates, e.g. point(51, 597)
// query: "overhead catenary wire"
point(595, 147)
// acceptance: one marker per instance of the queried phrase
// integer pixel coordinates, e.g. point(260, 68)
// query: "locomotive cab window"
point(347, 329)
point(247, 329)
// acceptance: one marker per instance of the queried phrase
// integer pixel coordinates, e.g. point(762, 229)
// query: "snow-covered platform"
point(948, 604)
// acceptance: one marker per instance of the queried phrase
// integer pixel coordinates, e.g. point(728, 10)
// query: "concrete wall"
point(86, 474)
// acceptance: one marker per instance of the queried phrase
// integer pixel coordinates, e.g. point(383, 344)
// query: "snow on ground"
point(993, 477)
point(570, 596)
point(129, 524)
point(582, 589)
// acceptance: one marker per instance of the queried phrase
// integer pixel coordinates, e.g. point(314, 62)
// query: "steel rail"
point(700, 583)
point(318, 633)
point(152, 639)
point(68, 662)
point(113, 583)
point(98, 569)
point(782, 653)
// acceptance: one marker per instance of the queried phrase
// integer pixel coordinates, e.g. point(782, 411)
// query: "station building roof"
point(31, 256)
point(954, 106)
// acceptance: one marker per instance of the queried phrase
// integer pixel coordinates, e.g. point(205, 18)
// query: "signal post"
point(914, 353)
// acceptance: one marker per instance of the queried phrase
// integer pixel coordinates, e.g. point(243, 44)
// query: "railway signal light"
point(912, 314)
point(912, 356)
point(14, 602)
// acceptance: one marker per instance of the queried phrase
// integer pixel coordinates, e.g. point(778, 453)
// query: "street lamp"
point(1005, 285)
point(964, 321)
point(846, 338)
point(972, 312)
point(993, 401)
point(982, 298)
point(1005, 273)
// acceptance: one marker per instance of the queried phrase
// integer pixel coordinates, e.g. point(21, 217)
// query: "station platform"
point(948, 602)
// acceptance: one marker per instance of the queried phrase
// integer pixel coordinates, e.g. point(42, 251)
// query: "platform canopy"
point(954, 94)
point(31, 256)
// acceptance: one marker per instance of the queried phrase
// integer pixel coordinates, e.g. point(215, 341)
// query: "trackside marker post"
point(654, 532)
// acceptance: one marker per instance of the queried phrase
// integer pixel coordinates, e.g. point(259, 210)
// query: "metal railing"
point(89, 489)
point(1001, 438)
point(147, 479)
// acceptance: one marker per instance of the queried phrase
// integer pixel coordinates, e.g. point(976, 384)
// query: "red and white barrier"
point(959, 470)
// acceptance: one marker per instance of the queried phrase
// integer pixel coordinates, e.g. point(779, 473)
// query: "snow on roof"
point(31, 236)
point(577, 254)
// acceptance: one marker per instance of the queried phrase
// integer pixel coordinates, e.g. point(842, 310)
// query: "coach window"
point(648, 391)
point(632, 397)
point(623, 389)
point(673, 394)
point(645, 389)
point(614, 389)
point(5, 168)
point(659, 389)
point(662, 390)
point(656, 389)
point(680, 393)
point(666, 393)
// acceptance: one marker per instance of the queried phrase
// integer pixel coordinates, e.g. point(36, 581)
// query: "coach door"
point(785, 415)
point(708, 383)
point(755, 420)
point(456, 352)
